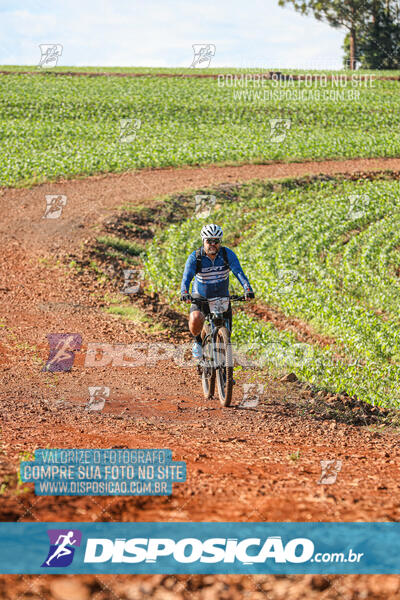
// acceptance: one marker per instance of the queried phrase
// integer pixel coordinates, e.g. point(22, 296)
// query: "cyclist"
point(210, 266)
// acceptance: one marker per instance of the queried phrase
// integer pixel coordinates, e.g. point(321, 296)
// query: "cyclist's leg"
point(228, 315)
point(196, 320)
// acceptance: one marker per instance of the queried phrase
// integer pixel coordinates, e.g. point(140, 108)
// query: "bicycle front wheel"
point(208, 367)
point(224, 366)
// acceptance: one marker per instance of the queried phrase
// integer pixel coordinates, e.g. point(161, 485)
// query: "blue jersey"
point(213, 279)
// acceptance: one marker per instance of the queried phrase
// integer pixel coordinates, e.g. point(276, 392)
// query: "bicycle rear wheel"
point(208, 367)
point(224, 366)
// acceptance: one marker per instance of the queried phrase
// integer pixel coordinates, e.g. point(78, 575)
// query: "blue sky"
point(160, 33)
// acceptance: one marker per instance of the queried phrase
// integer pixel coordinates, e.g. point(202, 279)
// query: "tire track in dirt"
point(267, 459)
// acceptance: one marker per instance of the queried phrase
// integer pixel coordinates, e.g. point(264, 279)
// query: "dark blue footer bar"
point(248, 548)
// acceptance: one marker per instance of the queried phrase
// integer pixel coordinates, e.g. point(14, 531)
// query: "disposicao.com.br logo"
point(212, 550)
point(168, 553)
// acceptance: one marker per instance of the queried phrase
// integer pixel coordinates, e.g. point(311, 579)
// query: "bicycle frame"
point(216, 321)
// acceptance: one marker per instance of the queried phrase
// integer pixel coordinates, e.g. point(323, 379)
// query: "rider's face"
point(212, 247)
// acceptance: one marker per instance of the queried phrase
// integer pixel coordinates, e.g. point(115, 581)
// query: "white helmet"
point(211, 231)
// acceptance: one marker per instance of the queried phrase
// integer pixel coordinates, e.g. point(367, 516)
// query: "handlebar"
point(197, 299)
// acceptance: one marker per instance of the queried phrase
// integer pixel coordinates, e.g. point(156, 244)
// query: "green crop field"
point(196, 71)
point(54, 127)
point(325, 252)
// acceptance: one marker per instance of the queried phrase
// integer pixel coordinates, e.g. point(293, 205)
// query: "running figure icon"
point(62, 549)
point(63, 543)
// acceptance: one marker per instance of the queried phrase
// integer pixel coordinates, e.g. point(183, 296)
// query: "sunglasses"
point(213, 240)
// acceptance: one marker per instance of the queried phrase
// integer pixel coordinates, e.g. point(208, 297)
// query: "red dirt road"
point(260, 464)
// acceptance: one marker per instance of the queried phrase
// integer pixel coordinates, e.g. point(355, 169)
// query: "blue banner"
point(215, 548)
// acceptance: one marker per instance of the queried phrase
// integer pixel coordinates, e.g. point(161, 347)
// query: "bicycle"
point(216, 363)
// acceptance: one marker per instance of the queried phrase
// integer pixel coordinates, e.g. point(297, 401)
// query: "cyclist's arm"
point(188, 273)
point(238, 271)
